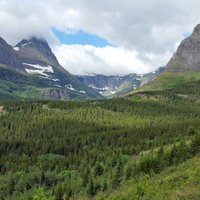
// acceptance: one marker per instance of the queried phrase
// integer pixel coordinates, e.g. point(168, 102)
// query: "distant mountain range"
point(110, 86)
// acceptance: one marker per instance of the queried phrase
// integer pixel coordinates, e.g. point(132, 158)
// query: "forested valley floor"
point(143, 146)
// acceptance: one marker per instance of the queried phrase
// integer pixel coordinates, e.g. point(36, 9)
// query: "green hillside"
point(15, 85)
point(177, 182)
point(124, 148)
point(170, 80)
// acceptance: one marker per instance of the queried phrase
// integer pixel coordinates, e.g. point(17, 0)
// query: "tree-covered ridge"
point(81, 150)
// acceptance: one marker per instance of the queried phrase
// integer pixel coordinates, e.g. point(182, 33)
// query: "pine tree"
point(91, 188)
point(59, 192)
point(117, 176)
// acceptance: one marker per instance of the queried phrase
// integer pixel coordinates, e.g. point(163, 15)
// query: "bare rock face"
point(114, 85)
point(56, 94)
point(36, 51)
point(187, 56)
point(8, 56)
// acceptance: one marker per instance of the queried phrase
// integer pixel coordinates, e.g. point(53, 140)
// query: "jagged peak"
point(3, 42)
point(34, 42)
point(187, 57)
point(40, 45)
point(196, 32)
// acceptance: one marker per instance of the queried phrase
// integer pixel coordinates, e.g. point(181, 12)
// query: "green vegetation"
point(177, 182)
point(144, 146)
point(15, 85)
point(171, 80)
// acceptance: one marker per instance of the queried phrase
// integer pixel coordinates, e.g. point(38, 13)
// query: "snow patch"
point(16, 48)
point(112, 92)
point(23, 45)
point(55, 79)
point(82, 91)
point(70, 87)
point(92, 86)
point(49, 78)
point(38, 69)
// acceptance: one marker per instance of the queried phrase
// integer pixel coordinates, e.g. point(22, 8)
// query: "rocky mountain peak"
point(3, 42)
point(8, 56)
point(33, 42)
point(187, 56)
point(35, 48)
point(196, 32)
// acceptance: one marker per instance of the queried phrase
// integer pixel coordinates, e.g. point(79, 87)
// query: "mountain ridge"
point(187, 56)
point(183, 67)
point(110, 86)
point(34, 58)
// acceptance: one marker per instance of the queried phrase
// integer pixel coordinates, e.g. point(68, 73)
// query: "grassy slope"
point(177, 182)
point(170, 80)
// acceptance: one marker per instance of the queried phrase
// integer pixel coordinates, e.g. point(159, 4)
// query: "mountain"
point(43, 76)
point(187, 56)
point(8, 56)
point(116, 85)
point(183, 68)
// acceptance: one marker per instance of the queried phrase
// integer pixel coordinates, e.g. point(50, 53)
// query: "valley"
point(100, 137)
point(108, 149)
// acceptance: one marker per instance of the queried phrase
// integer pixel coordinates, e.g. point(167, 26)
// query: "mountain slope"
point(34, 60)
point(183, 67)
point(8, 56)
point(177, 182)
point(187, 56)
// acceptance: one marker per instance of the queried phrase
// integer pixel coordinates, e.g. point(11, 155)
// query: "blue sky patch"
point(186, 34)
point(80, 38)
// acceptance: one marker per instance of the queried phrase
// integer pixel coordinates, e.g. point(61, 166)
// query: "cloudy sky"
point(107, 36)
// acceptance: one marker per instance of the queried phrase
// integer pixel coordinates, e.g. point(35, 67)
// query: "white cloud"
point(148, 27)
point(79, 59)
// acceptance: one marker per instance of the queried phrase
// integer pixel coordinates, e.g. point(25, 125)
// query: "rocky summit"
point(187, 56)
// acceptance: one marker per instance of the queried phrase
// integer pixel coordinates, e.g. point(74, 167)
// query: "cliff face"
point(8, 56)
point(187, 56)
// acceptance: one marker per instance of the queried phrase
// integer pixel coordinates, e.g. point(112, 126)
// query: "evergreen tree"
point(91, 188)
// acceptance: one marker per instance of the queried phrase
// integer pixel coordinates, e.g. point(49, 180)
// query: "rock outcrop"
point(187, 56)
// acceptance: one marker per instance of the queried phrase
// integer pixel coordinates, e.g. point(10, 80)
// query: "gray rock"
point(56, 94)
point(8, 55)
point(187, 56)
